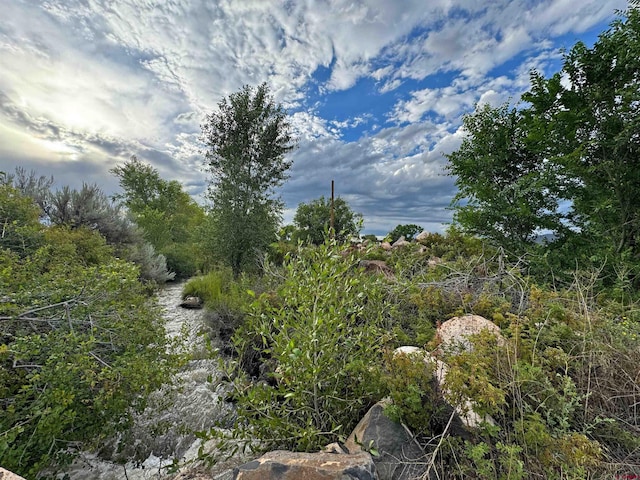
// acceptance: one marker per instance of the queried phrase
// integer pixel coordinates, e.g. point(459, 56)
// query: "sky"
point(375, 89)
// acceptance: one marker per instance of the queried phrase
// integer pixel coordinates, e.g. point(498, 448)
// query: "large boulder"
point(422, 236)
point(7, 475)
point(398, 455)
point(455, 332)
point(465, 416)
point(377, 267)
point(401, 242)
point(191, 302)
point(284, 465)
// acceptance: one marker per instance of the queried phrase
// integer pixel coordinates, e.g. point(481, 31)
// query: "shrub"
point(81, 348)
point(322, 337)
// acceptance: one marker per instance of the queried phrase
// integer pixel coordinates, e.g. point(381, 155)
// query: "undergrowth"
point(562, 386)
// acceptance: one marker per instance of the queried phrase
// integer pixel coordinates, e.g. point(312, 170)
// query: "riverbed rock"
point(7, 475)
point(399, 456)
point(285, 465)
point(191, 302)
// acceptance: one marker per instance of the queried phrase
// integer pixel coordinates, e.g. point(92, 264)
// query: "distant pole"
point(332, 222)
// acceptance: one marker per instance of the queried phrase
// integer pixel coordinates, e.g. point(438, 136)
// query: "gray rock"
point(192, 302)
point(399, 457)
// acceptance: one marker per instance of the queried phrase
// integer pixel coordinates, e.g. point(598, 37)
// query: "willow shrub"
point(81, 346)
point(318, 344)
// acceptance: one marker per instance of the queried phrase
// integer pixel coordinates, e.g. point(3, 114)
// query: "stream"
point(163, 432)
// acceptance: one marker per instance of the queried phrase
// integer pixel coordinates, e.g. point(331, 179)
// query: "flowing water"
point(163, 432)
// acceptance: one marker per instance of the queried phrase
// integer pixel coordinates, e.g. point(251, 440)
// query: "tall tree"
point(604, 97)
point(568, 160)
point(501, 180)
point(247, 140)
point(312, 220)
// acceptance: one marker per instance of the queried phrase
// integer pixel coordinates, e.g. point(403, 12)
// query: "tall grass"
point(217, 289)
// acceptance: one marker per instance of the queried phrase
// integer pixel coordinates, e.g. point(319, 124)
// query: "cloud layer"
point(376, 88)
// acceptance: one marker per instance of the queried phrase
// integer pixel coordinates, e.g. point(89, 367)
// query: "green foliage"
point(502, 185)
point(406, 231)
point(413, 391)
point(169, 219)
point(320, 339)
point(20, 230)
point(565, 161)
point(220, 291)
point(313, 221)
point(81, 347)
point(247, 139)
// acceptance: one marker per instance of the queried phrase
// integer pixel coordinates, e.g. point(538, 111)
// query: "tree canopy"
point(565, 161)
point(168, 217)
point(407, 231)
point(313, 219)
point(247, 140)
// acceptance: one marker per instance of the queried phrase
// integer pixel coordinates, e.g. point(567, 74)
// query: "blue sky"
point(376, 89)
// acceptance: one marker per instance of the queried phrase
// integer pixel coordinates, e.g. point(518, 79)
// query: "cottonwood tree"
point(313, 220)
point(247, 139)
point(567, 160)
point(501, 180)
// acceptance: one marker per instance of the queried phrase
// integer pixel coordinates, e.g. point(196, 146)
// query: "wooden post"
point(332, 231)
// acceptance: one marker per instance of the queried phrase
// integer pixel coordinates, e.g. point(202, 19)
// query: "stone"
point(377, 266)
point(455, 332)
point(7, 475)
point(399, 456)
point(434, 262)
point(191, 302)
point(284, 465)
point(422, 236)
point(401, 242)
point(335, 447)
point(385, 246)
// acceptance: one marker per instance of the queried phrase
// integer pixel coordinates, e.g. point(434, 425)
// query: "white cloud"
point(89, 82)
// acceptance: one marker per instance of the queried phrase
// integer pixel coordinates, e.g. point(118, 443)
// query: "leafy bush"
point(411, 386)
point(81, 347)
point(181, 259)
point(219, 290)
point(319, 340)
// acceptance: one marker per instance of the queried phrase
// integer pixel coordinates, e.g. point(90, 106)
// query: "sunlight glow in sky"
point(376, 89)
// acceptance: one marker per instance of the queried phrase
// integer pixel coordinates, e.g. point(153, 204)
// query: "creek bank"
point(163, 434)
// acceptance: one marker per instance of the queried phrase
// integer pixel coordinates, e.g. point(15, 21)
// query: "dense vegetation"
point(81, 344)
point(310, 332)
point(170, 220)
point(313, 352)
point(564, 162)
